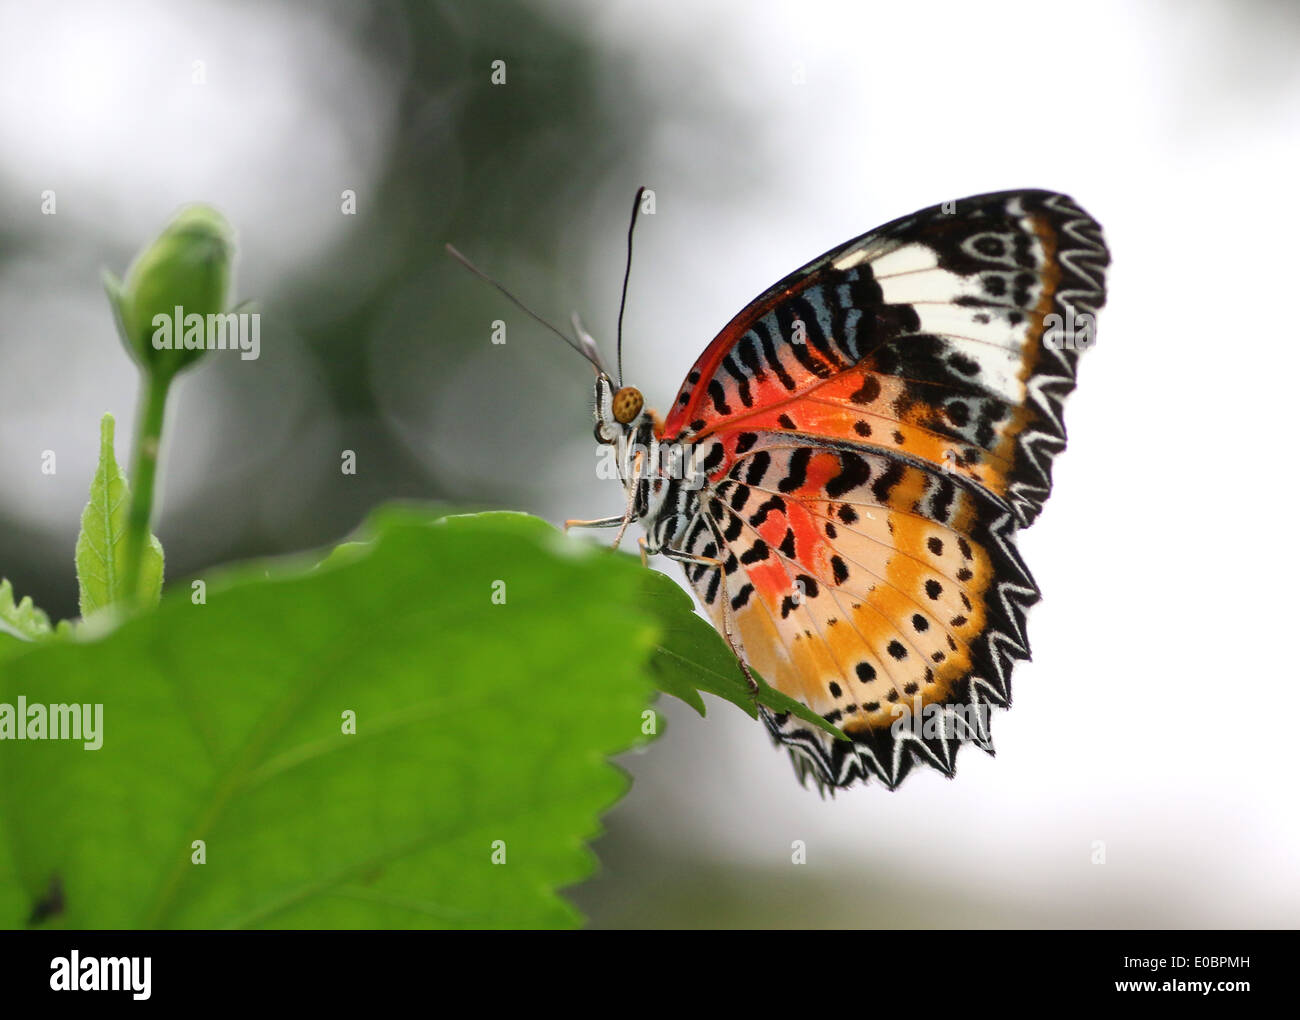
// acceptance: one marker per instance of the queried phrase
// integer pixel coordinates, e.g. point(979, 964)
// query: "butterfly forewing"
point(945, 315)
point(879, 424)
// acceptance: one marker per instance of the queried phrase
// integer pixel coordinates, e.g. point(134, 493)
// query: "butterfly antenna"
point(588, 351)
point(627, 274)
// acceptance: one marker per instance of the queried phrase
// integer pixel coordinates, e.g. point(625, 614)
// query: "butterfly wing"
point(930, 328)
point(876, 428)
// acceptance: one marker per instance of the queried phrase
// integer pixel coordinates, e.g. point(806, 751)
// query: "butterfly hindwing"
point(859, 582)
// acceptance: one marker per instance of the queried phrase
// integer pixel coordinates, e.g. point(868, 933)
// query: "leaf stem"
point(144, 469)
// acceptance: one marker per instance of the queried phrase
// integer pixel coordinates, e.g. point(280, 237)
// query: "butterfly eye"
point(627, 404)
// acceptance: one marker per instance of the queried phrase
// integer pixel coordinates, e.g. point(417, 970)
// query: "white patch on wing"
point(996, 346)
point(907, 258)
point(935, 286)
point(999, 372)
point(851, 258)
point(962, 323)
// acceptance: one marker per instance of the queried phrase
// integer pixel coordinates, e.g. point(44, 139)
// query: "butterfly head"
point(620, 411)
point(646, 463)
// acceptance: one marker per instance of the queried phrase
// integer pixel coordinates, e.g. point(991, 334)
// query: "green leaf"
point(21, 620)
point(21, 623)
point(101, 546)
point(693, 657)
point(477, 721)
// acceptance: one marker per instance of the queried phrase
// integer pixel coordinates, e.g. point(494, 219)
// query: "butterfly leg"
point(630, 512)
point(602, 522)
point(611, 522)
point(728, 632)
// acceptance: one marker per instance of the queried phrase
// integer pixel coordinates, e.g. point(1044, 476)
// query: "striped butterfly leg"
point(600, 522)
point(610, 522)
point(638, 466)
point(621, 521)
point(728, 629)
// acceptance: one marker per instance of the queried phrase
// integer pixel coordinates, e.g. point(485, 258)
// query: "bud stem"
point(144, 469)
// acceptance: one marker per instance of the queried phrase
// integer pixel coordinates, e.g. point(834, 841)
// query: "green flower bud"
point(171, 288)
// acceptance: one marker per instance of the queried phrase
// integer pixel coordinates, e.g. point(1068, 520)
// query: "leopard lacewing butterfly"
point(863, 441)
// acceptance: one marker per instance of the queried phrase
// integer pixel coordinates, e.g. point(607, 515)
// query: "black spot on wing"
point(882, 485)
point(766, 507)
point(868, 392)
point(719, 397)
point(854, 471)
point(764, 335)
point(798, 473)
point(740, 378)
point(747, 351)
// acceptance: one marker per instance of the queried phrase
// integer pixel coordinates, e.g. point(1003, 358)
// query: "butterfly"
point(844, 470)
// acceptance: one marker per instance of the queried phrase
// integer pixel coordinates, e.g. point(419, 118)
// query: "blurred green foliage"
point(20, 620)
point(502, 171)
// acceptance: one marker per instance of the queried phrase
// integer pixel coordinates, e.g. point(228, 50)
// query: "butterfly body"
point(845, 468)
